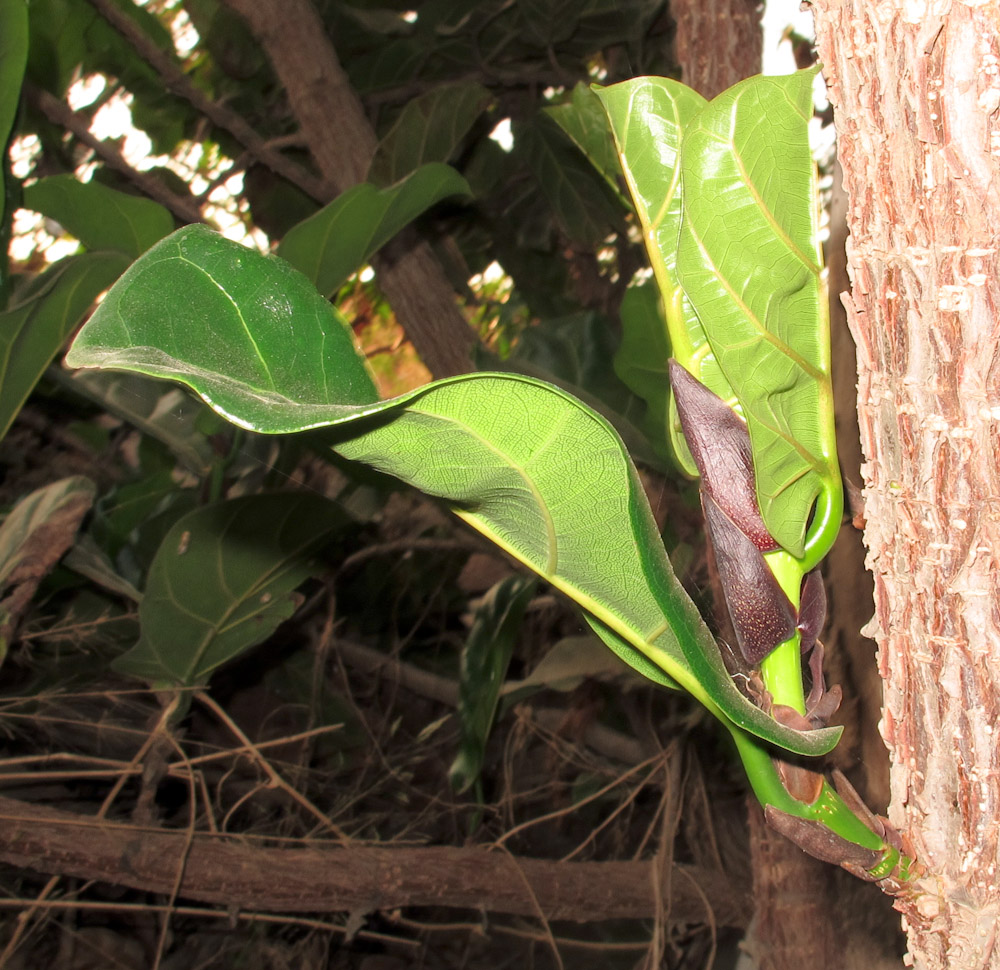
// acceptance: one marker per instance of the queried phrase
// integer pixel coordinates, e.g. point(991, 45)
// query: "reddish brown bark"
point(916, 92)
point(342, 142)
point(719, 42)
point(318, 877)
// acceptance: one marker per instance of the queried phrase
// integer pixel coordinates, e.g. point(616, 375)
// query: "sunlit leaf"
point(750, 260)
point(648, 116)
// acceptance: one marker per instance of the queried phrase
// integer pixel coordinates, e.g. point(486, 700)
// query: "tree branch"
point(78, 125)
point(220, 116)
point(318, 877)
point(342, 143)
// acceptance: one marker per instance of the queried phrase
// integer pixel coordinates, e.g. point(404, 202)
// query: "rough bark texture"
point(719, 42)
point(916, 92)
point(342, 142)
point(328, 878)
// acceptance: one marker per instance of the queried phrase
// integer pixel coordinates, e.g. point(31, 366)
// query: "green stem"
point(829, 808)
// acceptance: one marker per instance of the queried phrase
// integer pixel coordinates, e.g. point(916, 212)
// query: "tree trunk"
point(342, 142)
point(719, 42)
point(916, 90)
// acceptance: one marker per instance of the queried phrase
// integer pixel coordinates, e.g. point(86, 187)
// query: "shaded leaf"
point(641, 361)
point(99, 217)
point(580, 199)
point(223, 579)
point(33, 538)
point(585, 122)
point(749, 259)
point(13, 57)
point(485, 658)
point(550, 21)
point(266, 340)
point(429, 129)
point(568, 663)
point(33, 331)
point(340, 238)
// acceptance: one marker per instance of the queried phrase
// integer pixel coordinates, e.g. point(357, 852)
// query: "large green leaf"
point(342, 236)
point(429, 129)
point(648, 116)
point(33, 331)
point(251, 330)
point(99, 217)
point(223, 579)
point(529, 466)
point(750, 261)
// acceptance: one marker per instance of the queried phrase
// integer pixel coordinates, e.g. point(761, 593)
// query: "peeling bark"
point(916, 88)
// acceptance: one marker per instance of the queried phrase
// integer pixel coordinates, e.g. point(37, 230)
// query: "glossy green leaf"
point(33, 331)
point(531, 467)
point(223, 579)
point(585, 122)
point(429, 129)
point(251, 330)
point(750, 261)
point(340, 238)
point(99, 217)
point(485, 657)
point(648, 116)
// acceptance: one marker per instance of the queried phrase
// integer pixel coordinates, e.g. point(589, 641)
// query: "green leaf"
point(340, 238)
point(641, 359)
point(750, 261)
point(580, 199)
point(264, 339)
point(429, 129)
point(531, 467)
point(33, 331)
point(223, 579)
point(485, 657)
point(13, 57)
point(99, 217)
point(648, 116)
point(585, 122)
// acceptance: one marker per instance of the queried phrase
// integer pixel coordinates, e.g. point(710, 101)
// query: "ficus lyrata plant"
point(724, 192)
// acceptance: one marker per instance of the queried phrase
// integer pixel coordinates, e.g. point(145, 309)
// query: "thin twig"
point(78, 124)
point(177, 82)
